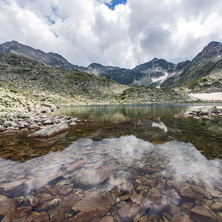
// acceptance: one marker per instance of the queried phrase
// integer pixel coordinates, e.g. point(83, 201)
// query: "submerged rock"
point(203, 214)
point(99, 203)
point(50, 131)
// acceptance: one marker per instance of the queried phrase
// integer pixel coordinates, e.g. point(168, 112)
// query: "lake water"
point(122, 163)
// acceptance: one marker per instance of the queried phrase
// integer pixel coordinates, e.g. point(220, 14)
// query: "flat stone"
point(85, 216)
point(200, 190)
point(181, 217)
point(75, 166)
point(187, 192)
point(203, 214)
point(128, 210)
point(50, 131)
point(100, 203)
point(15, 188)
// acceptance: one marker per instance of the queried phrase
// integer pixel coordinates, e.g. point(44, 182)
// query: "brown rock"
point(203, 214)
point(181, 217)
point(187, 192)
point(155, 194)
point(20, 214)
point(200, 190)
point(219, 217)
point(37, 217)
point(65, 190)
point(216, 206)
point(7, 206)
point(107, 219)
point(100, 203)
point(128, 210)
point(86, 216)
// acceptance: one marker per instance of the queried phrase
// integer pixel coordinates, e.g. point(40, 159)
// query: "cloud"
point(86, 31)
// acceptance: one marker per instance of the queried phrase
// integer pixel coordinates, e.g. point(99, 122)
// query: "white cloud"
point(86, 31)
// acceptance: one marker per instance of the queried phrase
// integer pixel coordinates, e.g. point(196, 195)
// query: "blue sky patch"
point(115, 2)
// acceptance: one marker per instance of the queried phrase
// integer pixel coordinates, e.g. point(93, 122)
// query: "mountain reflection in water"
point(120, 179)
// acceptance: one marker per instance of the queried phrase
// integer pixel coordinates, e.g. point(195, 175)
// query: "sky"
point(121, 33)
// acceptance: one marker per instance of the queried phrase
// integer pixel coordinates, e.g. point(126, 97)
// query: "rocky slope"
point(203, 73)
point(28, 85)
point(24, 81)
point(48, 59)
point(152, 73)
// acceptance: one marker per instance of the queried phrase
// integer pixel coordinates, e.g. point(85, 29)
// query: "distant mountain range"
point(203, 73)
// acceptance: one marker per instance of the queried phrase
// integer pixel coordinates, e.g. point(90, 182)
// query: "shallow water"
point(124, 163)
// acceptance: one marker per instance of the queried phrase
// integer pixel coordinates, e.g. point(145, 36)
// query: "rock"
point(13, 189)
point(155, 194)
point(181, 217)
point(128, 210)
point(203, 214)
point(69, 202)
point(216, 206)
point(86, 216)
point(65, 190)
point(89, 177)
point(34, 127)
point(2, 128)
point(187, 192)
point(20, 214)
point(48, 121)
point(219, 217)
point(201, 191)
point(30, 201)
point(107, 219)
point(7, 206)
point(72, 123)
point(75, 166)
point(50, 131)
point(37, 217)
point(97, 202)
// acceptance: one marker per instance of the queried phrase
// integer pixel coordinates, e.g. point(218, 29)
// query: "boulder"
point(50, 131)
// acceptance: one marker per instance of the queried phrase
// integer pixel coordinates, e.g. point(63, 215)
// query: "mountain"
point(48, 84)
point(27, 85)
point(49, 59)
point(203, 73)
point(152, 73)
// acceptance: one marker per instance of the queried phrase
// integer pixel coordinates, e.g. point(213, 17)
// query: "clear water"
point(124, 163)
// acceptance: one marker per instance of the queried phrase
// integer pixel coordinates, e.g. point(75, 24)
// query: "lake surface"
point(122, 163)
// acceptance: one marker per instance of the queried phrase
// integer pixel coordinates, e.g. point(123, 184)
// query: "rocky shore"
point(36, 120)
point(205, 112)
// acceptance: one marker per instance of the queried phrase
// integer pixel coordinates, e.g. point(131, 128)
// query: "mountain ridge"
point(155, 73)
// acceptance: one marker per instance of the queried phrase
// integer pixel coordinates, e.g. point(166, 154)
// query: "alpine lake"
point(120, 163)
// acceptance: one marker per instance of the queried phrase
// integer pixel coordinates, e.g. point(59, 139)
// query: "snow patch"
point(207, 96)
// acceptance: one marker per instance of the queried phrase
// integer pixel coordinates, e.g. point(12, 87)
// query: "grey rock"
point(50, 131)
